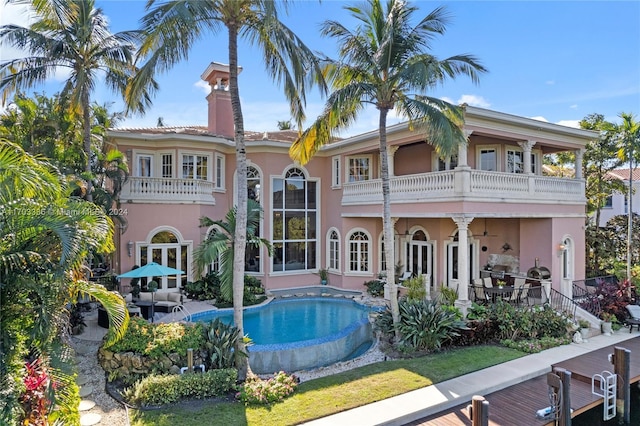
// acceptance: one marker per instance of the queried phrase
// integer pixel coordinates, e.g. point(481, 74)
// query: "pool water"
point(294, 320)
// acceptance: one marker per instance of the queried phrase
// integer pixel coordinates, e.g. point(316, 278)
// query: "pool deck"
point(414, 407)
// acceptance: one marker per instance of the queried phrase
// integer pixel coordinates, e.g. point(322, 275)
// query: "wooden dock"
point(517, 404)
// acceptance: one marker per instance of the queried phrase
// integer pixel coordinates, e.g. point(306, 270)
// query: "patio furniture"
point(634, 317)
point(147, 308)
point(478, 291)
point(405, 276)
point(493, 293)
point(487, 282)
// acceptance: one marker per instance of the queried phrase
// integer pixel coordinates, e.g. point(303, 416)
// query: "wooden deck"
point(517, 404)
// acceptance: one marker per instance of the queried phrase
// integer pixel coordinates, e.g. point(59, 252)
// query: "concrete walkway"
point(420, 403)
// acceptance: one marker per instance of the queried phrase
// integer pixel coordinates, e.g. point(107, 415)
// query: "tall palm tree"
point(45, 235)
point(72, 35)
point(219, 244)
point(384, 63)
point(172, 28)
point(629, 151)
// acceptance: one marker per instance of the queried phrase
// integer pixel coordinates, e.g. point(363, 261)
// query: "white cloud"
point(474, 100)
point(570, 123)
point(574, 106)
point(203, 86)
point(539, 118)
point(447, 99)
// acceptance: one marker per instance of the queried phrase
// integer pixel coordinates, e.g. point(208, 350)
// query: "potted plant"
point(584, 328)
point(607, 320)
point(501, 283)
point(324, 276)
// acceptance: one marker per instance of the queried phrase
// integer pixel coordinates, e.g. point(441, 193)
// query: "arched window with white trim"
point(359, 247)
point(333, 250)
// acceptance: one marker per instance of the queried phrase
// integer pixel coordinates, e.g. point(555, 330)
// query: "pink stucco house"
point(489, 204)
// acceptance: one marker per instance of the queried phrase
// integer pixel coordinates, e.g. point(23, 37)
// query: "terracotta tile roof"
point(623, 174)
point(250, 136)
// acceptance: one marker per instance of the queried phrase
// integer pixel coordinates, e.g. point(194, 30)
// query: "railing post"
point(479, 411)
point(564, 417)
point(621, 360)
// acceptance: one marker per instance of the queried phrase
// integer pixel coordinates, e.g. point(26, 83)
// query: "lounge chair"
point(405, 276)
point(634, 317)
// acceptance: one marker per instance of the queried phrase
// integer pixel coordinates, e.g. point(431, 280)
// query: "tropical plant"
point(424, 325)
point(221, 242)
point(416, 286)
point(171, 29)
point(45, 237)
point(266, 392)
point(375, 287)
point(72, 34)
point(221, 340)
point(385, 63)
point(629, 151)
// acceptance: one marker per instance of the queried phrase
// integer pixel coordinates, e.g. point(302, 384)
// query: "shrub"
point(417, 290)
point(424, 325)
point(538, 345)
point(206, 288)
point(375, 287)
point(614, 297)
point(221, 339)
point(448, 296)
point(158, 339)
point(266, 392)
point(166, 389)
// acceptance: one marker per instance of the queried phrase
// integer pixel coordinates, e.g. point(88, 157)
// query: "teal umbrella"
point(152, 269)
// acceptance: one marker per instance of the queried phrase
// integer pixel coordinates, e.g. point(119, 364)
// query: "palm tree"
point(385, 63)
point(72, 34)
point(173, 27)
point(45, 235)
point(629, 151)
point(219, 245)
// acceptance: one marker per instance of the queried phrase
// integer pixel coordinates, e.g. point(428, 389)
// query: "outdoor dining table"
point(503, 292)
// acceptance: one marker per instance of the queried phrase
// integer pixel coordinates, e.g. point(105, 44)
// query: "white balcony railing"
point(467, 185)
point(167, 190)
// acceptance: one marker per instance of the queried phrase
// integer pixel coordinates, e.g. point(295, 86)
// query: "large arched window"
point(333, 250)
point(359, 248)
point(166, 246)
point(254, 188)
point(295, 222)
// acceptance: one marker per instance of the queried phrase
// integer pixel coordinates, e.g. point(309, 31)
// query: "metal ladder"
point(180, 309)
point(608, 388)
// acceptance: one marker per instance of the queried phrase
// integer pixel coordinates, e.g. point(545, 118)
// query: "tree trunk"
point(86, 140)
point(387, 224)
point(630, 215)
point(240, 243)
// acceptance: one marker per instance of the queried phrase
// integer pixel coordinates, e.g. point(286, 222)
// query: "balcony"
point(467, 185)
point(167, 190)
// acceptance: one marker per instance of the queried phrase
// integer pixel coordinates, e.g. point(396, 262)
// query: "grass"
point(332, 394)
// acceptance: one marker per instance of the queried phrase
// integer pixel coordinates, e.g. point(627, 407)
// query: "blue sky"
point(555, 61)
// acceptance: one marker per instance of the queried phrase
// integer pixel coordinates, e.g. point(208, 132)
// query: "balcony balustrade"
point(467, 185)
point(167, 190)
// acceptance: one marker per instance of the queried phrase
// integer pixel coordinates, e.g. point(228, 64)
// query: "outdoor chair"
point(524, 293)
point(487, 282)
point(634, 317)
point(478, 291)
point(405, 276)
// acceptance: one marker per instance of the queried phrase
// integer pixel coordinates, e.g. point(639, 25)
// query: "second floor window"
point(194, 167)
point(359, 169)
point(488, 160)
point(167, 166)
point(145, 162)
point(515, 161)
point(219, 171)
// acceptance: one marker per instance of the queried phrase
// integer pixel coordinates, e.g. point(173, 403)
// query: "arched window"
point(295, 222)
point(359, 247)
point(254, 187)
point(333, 250)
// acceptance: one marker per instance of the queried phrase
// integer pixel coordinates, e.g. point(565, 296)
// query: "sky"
point(556, 61)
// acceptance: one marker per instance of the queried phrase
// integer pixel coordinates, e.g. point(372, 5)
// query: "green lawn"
point(332, 394)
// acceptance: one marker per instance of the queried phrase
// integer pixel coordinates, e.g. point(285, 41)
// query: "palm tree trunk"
point(630, 214)
point(387, 225)
point(86, 139)
point(240, 243)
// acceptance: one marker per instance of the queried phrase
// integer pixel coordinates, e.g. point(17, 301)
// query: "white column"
point(579, 154)
point(462, 223)
point(526, 154)
point(463, 160)
point(391, 152)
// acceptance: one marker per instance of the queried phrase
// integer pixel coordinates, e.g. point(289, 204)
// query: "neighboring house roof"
point(623, 174)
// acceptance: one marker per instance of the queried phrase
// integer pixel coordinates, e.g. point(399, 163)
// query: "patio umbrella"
point(151, 269)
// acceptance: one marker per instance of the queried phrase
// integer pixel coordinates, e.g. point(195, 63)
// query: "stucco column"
point(579, 154)
point(463, 160)
point(526, 154)
point(463, 301)
point(391, 152)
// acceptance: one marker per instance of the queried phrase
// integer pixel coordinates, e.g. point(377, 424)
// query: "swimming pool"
point(301, 333)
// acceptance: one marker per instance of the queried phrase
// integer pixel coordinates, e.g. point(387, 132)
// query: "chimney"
point(220, 112)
